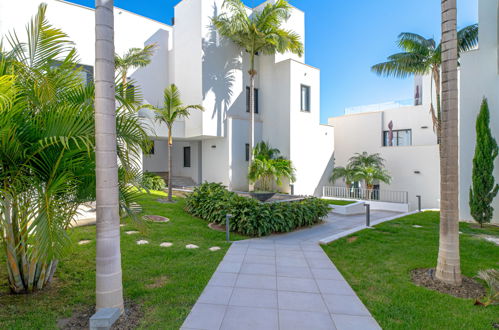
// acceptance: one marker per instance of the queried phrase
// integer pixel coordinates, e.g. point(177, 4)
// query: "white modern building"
point(411, 155)
point(209, 70)
point(479, 79)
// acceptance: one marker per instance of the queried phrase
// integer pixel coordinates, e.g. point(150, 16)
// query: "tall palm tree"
point(424, 56)
point(449, 263)
point(172, 109)
point(258, 33)
point(133, 58)
point(109, 284)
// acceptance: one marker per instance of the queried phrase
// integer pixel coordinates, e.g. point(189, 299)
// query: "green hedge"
point(211, 202)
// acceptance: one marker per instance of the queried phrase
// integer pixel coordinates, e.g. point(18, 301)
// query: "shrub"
point(153, 181)
point(211, 202)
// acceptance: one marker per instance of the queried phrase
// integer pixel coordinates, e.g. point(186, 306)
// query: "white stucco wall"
point(479, 78)
point(361, 132)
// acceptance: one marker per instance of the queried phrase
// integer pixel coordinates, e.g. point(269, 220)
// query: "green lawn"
point(339, 202)
point(377, 264)
point(186, 271)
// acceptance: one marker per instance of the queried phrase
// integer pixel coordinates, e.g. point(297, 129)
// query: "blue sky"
point(344, 39)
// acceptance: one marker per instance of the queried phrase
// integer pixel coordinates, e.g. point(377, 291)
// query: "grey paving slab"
point(299, 320)
point(250, 318)
point(283, 282)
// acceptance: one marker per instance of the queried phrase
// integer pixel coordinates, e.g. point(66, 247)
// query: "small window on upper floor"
point(397, 138)
point(247, 152)
point(255, 97)
point(187, 156)
point(305, 98)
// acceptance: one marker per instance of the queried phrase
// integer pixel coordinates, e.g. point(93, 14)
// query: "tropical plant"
point(346, 173)
point(370, 175)
point(483, 189)
point(449, 264)
point(133, 58)
point(47, 158)
point(212, 202)
point(422, 56)
point(269, 167)
point(171, 110)
point(258, 33)
point(152, 181)
point(491, 277)
point(365, 159)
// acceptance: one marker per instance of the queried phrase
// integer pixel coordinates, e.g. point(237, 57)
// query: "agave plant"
point(47, 159)
point(491, 277)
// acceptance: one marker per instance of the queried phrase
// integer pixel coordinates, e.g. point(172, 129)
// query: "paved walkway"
point(283, 282)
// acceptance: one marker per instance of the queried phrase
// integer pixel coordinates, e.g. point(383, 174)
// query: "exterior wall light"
point(417, 172)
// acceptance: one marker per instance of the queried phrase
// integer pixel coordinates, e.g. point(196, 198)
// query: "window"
point(150, 152)
point(130, 92)
point(187, 156)
point(305, 98)
point(248, 100)
point(247, 152)
point(400, 138)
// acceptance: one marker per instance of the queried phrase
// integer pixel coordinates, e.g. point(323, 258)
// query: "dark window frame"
point(308, 107)
point(150, 152)
point(256, 98)
point(396, 138)
point(187, 156)
point(247, 152)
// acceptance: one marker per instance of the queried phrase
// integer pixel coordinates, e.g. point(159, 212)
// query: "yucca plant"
point(47, 159)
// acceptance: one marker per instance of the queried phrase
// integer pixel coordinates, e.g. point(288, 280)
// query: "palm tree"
point(133, 58)
point(449, 263)
point(346, 173)
point(423, 56)
point(370, 175)
point(360, 160)
point(47, 165)
point(269, 167)
point(258, 33)
point(172, 109)
point(109, 284)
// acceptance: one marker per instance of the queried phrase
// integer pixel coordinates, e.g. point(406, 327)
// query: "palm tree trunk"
point(170, 165)
point(252, 74)
point(109, 287)
point(448, 267)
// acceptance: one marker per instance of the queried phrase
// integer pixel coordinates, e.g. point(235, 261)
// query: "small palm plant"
point(424, 56)
point(346, 173)
point(258, 33)
point(269, 168)
point(172, 109)
point(491, 277)
point(133, 58)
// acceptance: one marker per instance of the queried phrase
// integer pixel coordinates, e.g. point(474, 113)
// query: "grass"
point(339, 202)
point(186, 272)
point(377, 264)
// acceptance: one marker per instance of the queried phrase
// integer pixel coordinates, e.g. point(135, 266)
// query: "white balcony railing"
point(389, 196)
point(379, 106)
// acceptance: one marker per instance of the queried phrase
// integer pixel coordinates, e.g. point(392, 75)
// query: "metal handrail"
point(380, 195)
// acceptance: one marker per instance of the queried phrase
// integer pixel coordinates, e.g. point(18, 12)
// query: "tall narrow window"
point(247, 152)
point(255, 97)
point(305, 98)
point(150, 152)
point(187, 156)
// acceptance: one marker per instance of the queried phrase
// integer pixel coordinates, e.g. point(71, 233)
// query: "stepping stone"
point(191, 246)
point(142, 242)
point(131, 232)
point(166, 244)
point(84, 241)
point(215, 248)
point(156, 218)
point(417, 226)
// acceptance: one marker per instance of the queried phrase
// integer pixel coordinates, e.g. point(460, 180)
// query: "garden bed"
point(212, 202)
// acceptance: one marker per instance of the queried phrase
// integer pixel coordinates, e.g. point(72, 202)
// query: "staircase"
point(182, 182)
